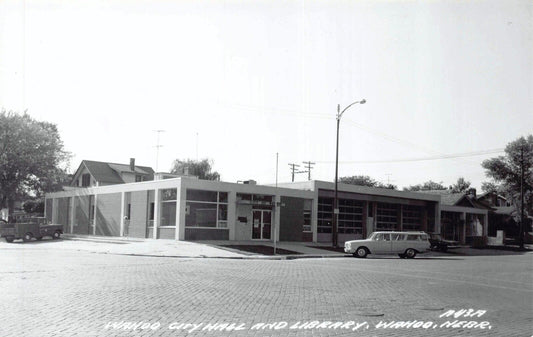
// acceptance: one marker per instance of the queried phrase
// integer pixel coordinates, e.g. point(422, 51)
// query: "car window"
point(413, 237)
point(386, 237)
point(397, 237)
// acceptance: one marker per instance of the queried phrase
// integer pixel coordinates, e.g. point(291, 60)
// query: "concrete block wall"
point(139, 214)
point(81, 220)
point(48, 209)
point(63, 213)
point(108, 214)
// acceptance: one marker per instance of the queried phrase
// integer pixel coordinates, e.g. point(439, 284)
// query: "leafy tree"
point(33, 206)
point(201, 169)
point(506, 170)
point(488, 186)
point(461, 185)
point(365, 181)
point(31, 157)
point(427, 186)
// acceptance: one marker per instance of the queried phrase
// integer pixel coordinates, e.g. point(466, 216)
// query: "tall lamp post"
point(335, 201)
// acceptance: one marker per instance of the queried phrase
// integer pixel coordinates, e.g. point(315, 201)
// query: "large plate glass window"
point(206, 209)
point(168, 207)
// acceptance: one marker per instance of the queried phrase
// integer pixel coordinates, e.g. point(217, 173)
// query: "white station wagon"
point(405, 244)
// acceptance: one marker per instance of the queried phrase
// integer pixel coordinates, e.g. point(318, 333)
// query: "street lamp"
point(335, 201)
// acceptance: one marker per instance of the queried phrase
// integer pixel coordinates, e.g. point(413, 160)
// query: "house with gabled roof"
point(92, 173)
point(463, 216)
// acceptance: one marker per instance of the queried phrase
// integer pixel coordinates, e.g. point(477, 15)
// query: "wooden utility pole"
point(309, 167)
point(294, 167)
point(521, 236)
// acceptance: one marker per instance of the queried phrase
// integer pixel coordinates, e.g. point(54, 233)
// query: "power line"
point(446, 156)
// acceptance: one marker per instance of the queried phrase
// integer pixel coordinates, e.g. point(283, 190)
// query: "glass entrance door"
point(262, 223)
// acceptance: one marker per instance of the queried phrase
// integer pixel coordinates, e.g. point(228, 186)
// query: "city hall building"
point(186, 208)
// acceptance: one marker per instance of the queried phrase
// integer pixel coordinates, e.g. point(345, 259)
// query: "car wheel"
point(444, 248)
point(56, 235)
point(402, 256)
point(27, 237)
point(410, 253)
point(361, 252)
point(9, 239)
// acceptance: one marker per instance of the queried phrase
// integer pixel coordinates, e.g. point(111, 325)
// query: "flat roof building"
point(185, 208)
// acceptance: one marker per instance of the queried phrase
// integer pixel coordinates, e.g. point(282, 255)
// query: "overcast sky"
point(239, 81)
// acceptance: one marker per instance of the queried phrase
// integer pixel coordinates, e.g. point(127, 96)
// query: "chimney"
point(132, 164)
point(472, 192)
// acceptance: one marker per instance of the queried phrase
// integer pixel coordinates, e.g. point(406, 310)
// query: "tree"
point(201, 169)
point(427, 186)
point(31, 157)
point(33, 206)
point(514, 172)
point(460, 186)
point(365, 181)
point(488, 186)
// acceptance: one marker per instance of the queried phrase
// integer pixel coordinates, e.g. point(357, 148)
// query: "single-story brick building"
point(185, 208)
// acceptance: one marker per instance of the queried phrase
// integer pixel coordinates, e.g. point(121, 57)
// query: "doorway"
point(262, 224)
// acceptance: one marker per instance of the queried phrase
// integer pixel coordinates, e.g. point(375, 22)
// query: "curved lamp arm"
point(339, 114)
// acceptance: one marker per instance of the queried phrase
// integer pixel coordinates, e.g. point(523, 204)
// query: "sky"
point(447, 84)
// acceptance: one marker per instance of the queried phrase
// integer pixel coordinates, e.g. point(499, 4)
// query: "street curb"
point(252, 257)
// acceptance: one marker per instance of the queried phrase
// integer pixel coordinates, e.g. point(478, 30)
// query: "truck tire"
point(56, 235)
point(27, 237)
point(9, 239)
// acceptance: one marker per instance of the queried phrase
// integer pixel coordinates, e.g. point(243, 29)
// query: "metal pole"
point(335, 210)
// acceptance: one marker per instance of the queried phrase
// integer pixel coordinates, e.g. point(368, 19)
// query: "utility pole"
point(521, 237)
point(157, 150)
point(309, 167)
point(294, 167)
point(278, 207)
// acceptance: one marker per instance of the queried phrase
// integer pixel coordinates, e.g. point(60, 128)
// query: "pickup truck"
point(31, 228)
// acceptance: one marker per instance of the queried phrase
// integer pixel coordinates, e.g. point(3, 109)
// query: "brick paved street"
point(50, 292)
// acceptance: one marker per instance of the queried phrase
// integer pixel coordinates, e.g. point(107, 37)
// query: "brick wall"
point(291, 219)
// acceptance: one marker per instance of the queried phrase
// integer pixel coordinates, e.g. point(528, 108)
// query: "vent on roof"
point(132, 164)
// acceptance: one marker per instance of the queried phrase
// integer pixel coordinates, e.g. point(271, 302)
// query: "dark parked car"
point(438, 243)
point(29, 229)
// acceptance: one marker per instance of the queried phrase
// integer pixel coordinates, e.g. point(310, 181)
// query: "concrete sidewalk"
point(193, 249)
point(207, 249)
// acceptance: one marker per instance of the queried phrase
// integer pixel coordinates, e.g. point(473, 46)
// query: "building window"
point(86, 180)
point(206, 209)
point(168, 207)
point(325, 215)
point(411, 218)
point(138, 178)
point(387, 217)
point(350, 219)
point(307, 215)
